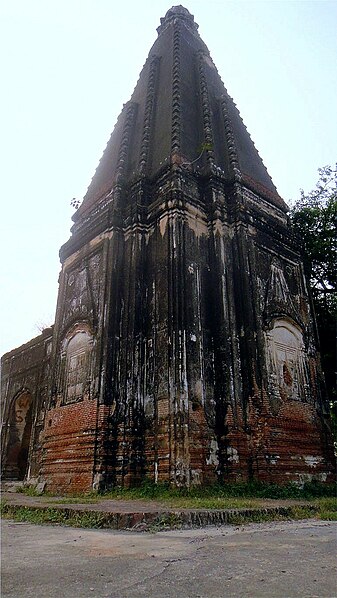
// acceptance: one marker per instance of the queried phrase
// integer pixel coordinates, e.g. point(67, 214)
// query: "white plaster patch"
point(163, 225)
point(195, 477)
point(218, 228)
point(198, 389)
point(98, 479)
point(182, 473)
point(233, 454)
point(312, 461)
point(197, 225)
point(304, 478)
point(213, 454)
point(86, 249)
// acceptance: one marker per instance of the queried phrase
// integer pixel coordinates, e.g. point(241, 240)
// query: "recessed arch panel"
point(77, 359)
point(286, 360)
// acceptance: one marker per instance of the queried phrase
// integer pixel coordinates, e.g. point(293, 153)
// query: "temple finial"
point(177, 12)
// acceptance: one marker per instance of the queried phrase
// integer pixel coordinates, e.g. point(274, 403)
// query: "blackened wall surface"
point(184, 346)
point(24, 387)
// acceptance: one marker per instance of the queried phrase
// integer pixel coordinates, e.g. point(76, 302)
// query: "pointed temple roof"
point(179, 112)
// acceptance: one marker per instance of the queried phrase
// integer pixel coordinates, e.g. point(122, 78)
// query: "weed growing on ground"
point(52, 516)
point(90, 497)
point(28, 491)
point(323, 508)
point(327, 508)
point(162, 492)
point(317, 500)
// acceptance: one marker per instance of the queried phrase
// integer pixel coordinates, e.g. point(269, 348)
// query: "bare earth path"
point(269, 560)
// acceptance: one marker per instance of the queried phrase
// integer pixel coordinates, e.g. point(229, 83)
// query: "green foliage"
point(206, 147)
point(28, 490)
point(205, 496)
point(243, 502)
point(53, 516)
point(314, 218)
point(327, 508)
point(89, 498)
point(323, 508)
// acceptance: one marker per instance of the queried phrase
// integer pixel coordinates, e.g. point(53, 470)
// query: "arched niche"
point(19, 435)
point(77, 362)
point(285, 359)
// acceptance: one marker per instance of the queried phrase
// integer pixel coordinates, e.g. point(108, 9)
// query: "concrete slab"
point(274, 560)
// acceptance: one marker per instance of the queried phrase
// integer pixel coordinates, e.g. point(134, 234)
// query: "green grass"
point(52, 516)
point(245, 490)
point(236, 496)
point(327, 508)
point(322, 508)
point(28, 491)
point(317, 500)
point(199, 495)
point(216, 496)
point(89, 498)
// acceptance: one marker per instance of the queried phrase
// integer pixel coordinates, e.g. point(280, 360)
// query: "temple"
point(184, 347)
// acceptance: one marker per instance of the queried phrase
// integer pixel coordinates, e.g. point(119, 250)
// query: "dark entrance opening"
point(20, 429)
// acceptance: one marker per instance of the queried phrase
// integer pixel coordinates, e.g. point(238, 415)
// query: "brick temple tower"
point(184, 344)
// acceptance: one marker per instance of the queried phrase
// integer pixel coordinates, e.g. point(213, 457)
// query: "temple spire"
point(180, 105)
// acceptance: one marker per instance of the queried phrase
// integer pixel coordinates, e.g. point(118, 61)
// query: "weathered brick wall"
point(72, 441)
point(24, 378)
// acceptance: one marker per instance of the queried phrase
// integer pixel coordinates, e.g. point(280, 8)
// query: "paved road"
point(283, 560)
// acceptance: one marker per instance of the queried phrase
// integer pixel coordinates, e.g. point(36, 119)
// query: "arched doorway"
point(20, 428)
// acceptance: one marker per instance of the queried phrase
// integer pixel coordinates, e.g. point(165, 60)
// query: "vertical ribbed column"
point(206, 111)
point(148, 114)
point(231, 146)
point(176, 96)
point(124, 148)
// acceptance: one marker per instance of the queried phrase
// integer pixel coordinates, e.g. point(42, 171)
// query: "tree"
point(314, 218)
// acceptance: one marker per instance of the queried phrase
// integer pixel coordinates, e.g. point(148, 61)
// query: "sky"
point(68, 66)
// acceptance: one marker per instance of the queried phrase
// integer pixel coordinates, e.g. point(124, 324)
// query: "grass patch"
point(201, 494)
point(28, 491)
point(52, 516)
point(317, 500)
point(244, 493)
point(85, 497)
point(327, 508)
point(211, 502)
point(323, 508)
point(91, 497)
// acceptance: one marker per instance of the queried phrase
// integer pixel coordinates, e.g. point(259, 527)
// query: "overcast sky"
point(67, 67)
